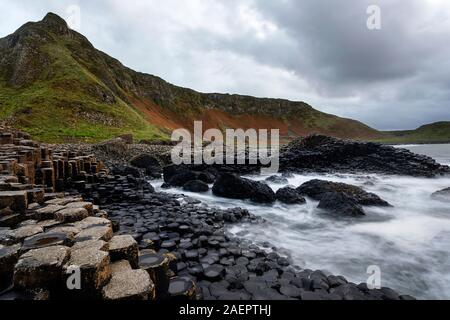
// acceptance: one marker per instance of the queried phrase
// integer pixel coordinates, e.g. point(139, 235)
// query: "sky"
point(388, 65)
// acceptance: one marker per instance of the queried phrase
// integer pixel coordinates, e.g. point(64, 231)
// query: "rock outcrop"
point(324, 154)
point(234, 187)
point(290, 195)
point(317, 189)
point(340, 198)
point(442, 195)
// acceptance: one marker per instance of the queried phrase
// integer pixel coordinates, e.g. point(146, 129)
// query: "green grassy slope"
point(64, 101)
point(438, 132)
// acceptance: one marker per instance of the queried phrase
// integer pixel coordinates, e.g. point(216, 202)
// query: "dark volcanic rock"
point(277, 180)
point(324, 154)
point(144, 161)
point(234, 187)
point(290, 196)
point(196, 186)
point(316, 189)
point(443, 195)
point(341, 203)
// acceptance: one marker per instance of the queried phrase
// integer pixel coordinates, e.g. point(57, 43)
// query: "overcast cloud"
point(318, 51)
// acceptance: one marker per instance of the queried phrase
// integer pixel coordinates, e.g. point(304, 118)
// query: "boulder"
point(316, 189)
point(196, 186)
point(145, 161)
point(41, 268)
point(442, 195)
point(277, 180)
point(341, 204)
point(290, 195)
point(234, 187)
point(124, 248)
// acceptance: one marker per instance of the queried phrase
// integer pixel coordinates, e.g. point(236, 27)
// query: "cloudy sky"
point(318, 51)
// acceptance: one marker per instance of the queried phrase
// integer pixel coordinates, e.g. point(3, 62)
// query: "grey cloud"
point(317, 51)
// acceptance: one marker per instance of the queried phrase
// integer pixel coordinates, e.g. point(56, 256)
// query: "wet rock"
point(289, 195)
point(316, 189)
point(442, 195)
point(234, 187)
point(129, 285)
point(145, 161)
point(214, 273)
point(157, 266)
point(196, 186)
point(178, 176)
point(182, 288)
point(124, 248)
point(236, 276)
point(291, 291)
point(341, 204)
point(349, 292)
point(277, 180)
point(47, 239)
point(41, 268)
point(25, 295)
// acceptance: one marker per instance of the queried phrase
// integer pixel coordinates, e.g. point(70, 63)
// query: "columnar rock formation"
point(57, 243)
point(53, 245)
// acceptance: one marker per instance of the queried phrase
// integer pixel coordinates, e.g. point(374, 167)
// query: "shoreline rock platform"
point(64, 212)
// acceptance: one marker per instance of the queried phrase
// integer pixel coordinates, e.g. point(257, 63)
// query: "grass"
point(63, 106)
point(438, 132)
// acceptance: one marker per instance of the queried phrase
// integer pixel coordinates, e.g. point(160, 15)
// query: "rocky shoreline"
point(61, 207)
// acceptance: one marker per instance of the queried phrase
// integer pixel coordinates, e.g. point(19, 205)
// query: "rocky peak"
point(55, 23)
